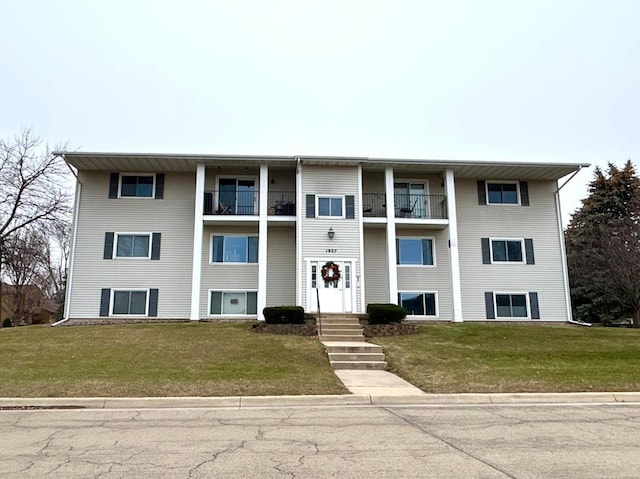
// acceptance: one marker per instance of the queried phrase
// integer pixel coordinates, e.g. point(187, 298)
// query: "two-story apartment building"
point(213, 236)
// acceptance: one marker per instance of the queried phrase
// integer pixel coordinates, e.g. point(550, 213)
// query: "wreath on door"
point(330, 272)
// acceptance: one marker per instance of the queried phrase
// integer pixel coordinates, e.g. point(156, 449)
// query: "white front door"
point(333, 296)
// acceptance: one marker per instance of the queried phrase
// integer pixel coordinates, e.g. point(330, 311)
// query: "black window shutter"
point(153, 302)
point(397, 251)
point(427, 252)
point(482, 193)
point(218, 247)
point(159, 186)
point(105, 297)
point(155, 246)
point(311, 206)
point(252, 257)
point(114, 179)
point(524, 193)
point(350, 209)
point(488, 303)
point(528, 249)
point(486, 251)
point(108, 245)
point(533, 302)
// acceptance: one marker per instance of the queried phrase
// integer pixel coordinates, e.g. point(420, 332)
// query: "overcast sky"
point(518, 80)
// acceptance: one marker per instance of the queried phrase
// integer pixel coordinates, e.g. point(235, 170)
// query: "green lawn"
point(164, 359)
point(479, 357)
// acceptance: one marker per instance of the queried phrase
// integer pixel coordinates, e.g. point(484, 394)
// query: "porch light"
point(331, 233)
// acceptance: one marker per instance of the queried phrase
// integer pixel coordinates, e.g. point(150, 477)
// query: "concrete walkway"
point(376, 383)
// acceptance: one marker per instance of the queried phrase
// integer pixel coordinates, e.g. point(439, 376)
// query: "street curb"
point(239, 402)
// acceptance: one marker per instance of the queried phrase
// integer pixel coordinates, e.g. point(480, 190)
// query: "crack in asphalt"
point(447, 442)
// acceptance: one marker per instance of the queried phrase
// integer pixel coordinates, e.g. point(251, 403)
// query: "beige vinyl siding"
point(330, 180)
point(376, 268)
point(373, 182)
point(281, 270)
point(537, 221)
point(172, 217)
point(225, 276)
point(426, 278)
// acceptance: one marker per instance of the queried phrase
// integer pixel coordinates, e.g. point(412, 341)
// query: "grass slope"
point(179, 359)
point(472, 357)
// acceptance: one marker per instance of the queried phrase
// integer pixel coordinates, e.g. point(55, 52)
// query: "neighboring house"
point(26, 305)
point(199, 236)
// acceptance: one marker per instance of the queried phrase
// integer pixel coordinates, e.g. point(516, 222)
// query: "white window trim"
point(415, 181)
point(522, 249)
point(426, 316)
point(433, 252)
point(318, 215)
point(130, 258)
point(230, 263)
point(153, 192)
point(515, 318)
point(128, 290)
point(221, 290)
point(502, 182)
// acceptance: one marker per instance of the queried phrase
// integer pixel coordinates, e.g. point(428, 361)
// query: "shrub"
point(284, 315)
point(385, 313)
point(7, 323)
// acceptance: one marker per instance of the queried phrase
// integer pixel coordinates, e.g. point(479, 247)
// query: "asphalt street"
point(439, 441)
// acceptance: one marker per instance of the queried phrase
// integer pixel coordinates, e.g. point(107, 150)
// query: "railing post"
point(319, 315)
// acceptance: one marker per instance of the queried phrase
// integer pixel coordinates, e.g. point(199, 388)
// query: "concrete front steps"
point(344, 342)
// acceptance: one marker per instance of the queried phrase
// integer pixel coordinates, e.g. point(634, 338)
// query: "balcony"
point(246, 203)
point(421, 206)
point(374, 205)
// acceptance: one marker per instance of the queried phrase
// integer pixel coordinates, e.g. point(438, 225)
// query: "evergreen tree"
point(603, 248)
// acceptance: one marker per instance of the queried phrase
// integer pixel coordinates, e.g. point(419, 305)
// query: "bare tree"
point(25, 268)
point(32, 189)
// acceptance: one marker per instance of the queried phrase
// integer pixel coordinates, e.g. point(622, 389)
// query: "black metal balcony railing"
point(420, 206)
point(282, 203)
point(374, 205)
point(246, 203)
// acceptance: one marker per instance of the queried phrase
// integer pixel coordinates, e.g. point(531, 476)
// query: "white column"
point(563, 252)
point(71, 264)
point(360, 271)
point(197, 244)
point(391, 235)
point(454, 257)
point(263, 206)
point(299, 216)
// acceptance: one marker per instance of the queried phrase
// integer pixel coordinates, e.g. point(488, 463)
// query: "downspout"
point(72, 256)
point(563, 251)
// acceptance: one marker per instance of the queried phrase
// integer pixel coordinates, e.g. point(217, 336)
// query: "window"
point(415, 251)
point(511, 306)
point(330, 206)
point(410, 199)
point(132, 245)
point(506, 251)
point(233, 302)
point(234, 249)
point(140, 186)
point(419, 304)
point(502, 193)
point(503, 251)
point(129, 303)
point(129, 185)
